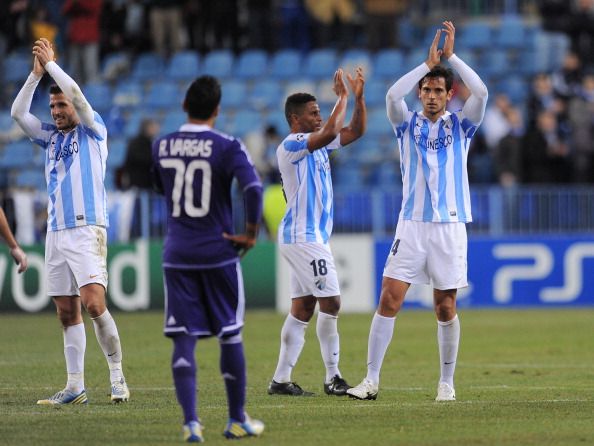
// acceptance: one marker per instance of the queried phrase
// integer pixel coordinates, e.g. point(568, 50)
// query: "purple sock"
point(233, 371)
point(183, 365)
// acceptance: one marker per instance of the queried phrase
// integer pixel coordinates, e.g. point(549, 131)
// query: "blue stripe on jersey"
point(311, 198)
point(410, 202)
point(66, 186)
point(427, 205)
point(288, 222)
point(86, 173)
point(324, 177)
point(39, 142)
point(52, 182)
point(442, 159)
point(459, 154)
point(293, 146)
point(468, 127)
point(424, 136)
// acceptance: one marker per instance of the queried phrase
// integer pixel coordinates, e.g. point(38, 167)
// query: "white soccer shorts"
point(426, 252)
point(312, 269)
point(74, 258)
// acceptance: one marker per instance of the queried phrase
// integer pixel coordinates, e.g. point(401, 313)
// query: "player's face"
point(311, 119)
point(63, 112)
point(434, 97)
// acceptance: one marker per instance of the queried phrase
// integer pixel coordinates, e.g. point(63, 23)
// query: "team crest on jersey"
point(300, 137)
point(320, 283)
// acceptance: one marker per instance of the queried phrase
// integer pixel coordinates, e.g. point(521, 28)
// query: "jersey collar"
point(187, 127)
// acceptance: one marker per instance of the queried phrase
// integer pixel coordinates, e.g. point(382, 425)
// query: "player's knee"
point(330, 305)
point(389, 304)
point(445, 310)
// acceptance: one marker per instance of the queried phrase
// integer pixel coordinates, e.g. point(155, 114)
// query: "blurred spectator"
point(541, 97)
point(136, 167)
point(381, 22)
point(566, 80)
point(42, 26)
point(555, 15)
point(546, 151)
point(262, 148)
point(333, 22)
point(581, 30)
point(113, 26)
point(508, 151)
point(581, 118)
point(261, 24)
point(135, 33)
point(480, 161)
point(83, 38)
point(14, 31)
point(166, 25)
point(294, 25)
point(496, 123)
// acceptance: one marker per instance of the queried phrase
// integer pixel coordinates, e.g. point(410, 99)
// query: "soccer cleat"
point(119, 391)
point(336, 386)
point(364, 391)
point(445, 392)
point(249, 428)
point(289, 388)
point(193, 432)
point(65, 397)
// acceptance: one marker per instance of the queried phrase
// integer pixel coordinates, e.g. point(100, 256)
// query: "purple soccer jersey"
point(195, 168)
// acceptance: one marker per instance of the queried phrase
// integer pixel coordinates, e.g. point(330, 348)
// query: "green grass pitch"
point(524, 378)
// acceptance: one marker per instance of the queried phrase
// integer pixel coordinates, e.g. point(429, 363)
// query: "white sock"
point(327, 331)
point(75, 343)
point(292, 341)
point(448, 339)
point(109, 340)
point(380, 336)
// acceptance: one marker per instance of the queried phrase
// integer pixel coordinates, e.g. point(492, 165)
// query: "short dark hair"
point(203, 97)
point(55, 89)
point(439, 71)
point(295, 103)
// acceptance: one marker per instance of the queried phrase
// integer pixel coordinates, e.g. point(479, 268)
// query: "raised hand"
point(37, 67)
point(448, 46)
point(434, 56)
point(357, 83)
point(43, 51)
point(339, 87)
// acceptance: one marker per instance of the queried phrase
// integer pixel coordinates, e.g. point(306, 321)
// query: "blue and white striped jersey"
point(75, 172)
point(307, 185)
point(433, 159)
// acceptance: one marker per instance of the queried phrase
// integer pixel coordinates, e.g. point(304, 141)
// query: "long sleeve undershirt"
point(474, 107)
point(22, 104)
point(30, 124)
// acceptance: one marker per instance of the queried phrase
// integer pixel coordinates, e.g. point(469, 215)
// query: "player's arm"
point(16, 252)
point(251, 186)
point(395, 105)
point(252, 197)
point(335, 121)
point(45, 53)
point(358, 124)
point(20, 110)
point(475, 105)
